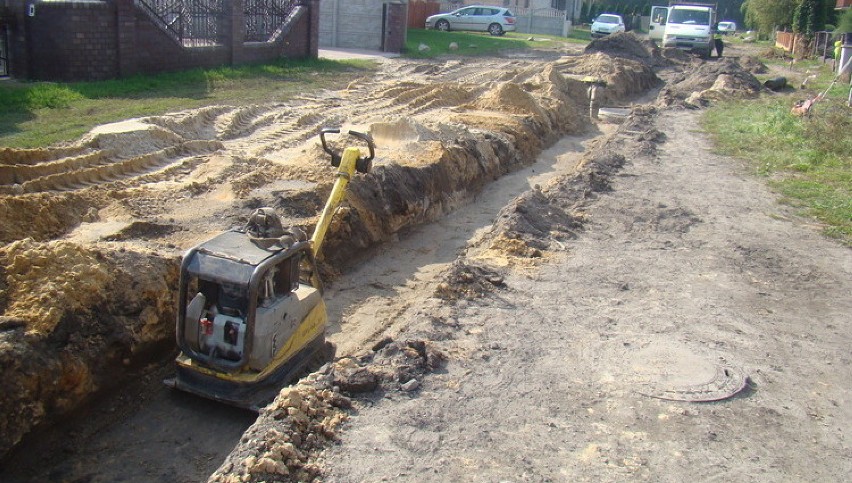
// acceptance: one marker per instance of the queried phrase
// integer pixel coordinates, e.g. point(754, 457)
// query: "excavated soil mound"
point(624, 77)
point(45, 216)
point(536, 221)
point(722, 79)
point(81, 315)
point(539, 219)
point(753, 65)
point(628, 45)
point(677, 56)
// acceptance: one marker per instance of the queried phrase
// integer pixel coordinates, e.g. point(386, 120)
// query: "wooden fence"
point(418, 11)
point(821, 45)
point(785, 40)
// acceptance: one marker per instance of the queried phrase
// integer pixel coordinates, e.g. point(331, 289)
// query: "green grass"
point(581, 34)
point(476, 43)
point(807, 160)
point(37, 114)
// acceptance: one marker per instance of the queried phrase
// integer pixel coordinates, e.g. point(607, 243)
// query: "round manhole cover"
point(678, 374)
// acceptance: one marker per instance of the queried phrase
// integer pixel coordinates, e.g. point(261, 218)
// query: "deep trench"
point(143, 431)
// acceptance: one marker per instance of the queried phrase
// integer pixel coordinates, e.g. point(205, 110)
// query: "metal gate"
point(4, 51)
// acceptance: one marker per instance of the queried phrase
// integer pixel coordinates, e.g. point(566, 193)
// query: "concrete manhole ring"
point(614, 115)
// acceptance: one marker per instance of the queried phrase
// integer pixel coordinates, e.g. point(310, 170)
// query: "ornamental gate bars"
point(4, 51)
point(201, 23)
point(265, 17)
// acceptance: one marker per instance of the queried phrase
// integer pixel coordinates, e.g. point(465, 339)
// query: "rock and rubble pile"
point(469, 280)
point(290, 431)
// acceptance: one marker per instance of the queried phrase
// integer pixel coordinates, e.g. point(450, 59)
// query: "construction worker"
point(838, 48)
point(717, 40)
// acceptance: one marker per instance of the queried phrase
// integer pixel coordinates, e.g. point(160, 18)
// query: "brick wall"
point(300, 41)
point(74, 41)
point(95, 40)
point(155, 51)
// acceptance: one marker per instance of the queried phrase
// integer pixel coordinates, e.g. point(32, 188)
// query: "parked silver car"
point(477, 18)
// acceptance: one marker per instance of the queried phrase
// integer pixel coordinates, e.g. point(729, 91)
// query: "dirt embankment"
point(88, 279)
point(75, 318)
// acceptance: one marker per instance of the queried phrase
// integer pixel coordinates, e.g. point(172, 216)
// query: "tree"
point(844, 24)
point(809, 17)
point(729, 10)
point(768, 15)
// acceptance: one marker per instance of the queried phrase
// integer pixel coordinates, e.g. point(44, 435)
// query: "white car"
point(727, 27)
point(607, 23)
point(477, 18)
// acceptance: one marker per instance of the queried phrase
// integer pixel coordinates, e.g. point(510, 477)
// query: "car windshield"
point(608, 19)
point(692, 17)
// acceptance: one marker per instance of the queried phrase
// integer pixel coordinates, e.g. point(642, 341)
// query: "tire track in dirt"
point(127, 151)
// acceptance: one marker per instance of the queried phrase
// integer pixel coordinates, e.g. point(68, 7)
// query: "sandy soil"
point(579, 292)
point(81, 219)
point(687, 280)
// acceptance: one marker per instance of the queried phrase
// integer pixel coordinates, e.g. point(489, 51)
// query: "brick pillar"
point(19, 47)
point(236, 32)
point(312, 45)
point(395, 27)
point(125, 14)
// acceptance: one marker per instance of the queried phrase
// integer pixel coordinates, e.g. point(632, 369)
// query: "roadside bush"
point(37, 96)
point(844, 23)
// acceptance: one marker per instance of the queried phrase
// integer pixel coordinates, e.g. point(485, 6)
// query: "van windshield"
point(691, 17)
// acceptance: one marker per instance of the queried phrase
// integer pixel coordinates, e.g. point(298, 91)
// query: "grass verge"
point(807, 160)
point(39, 114)
point(478, 44)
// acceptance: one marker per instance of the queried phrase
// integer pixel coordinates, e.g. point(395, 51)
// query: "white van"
point(690, 27)
point(658, 22)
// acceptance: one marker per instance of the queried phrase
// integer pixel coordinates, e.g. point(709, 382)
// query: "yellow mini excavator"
point(250, 309)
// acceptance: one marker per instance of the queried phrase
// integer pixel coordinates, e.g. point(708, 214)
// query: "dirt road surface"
point(581, 369)
point(519, 294)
